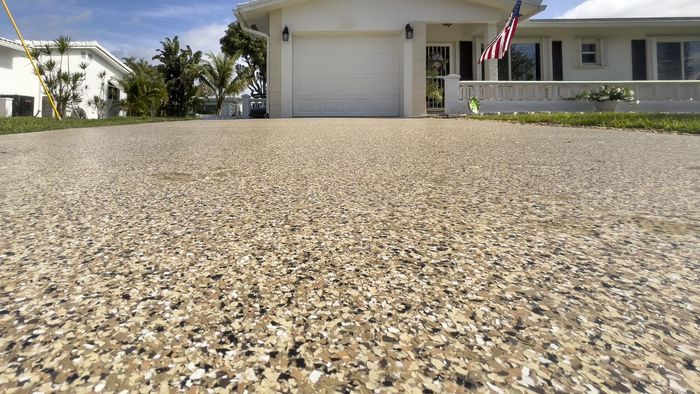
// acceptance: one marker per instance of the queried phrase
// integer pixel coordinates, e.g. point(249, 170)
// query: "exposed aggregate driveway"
point(349, 255)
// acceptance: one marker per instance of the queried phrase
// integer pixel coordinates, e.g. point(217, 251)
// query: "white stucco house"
point(18, 81)
point(369, 58)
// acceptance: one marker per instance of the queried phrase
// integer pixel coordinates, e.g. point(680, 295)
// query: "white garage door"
point(346, 76)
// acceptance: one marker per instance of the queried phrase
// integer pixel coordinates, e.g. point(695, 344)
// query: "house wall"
point(471, 21)
point(96, 64)
point(385, 15)
point(365, 16)
point(17, 76)
point(19, 79)
point(616, 48)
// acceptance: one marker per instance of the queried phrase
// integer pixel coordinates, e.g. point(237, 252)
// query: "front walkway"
point(406, 255)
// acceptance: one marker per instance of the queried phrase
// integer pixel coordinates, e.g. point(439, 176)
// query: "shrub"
point(608, 93)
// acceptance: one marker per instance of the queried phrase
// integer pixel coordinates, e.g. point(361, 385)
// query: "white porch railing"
point(523, 96)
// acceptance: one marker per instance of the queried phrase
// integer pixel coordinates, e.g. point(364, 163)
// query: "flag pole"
point(31, 60)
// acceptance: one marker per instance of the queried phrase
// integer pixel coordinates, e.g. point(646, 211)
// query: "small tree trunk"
point(219, 104)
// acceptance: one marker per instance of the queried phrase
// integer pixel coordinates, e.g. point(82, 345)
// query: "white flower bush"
point(608, 93)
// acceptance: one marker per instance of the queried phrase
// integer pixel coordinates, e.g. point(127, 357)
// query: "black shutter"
point(557, 61)
point(504, 68)
point(639, 60)
point(538, 63)
point(466, 64)
point(483, 65)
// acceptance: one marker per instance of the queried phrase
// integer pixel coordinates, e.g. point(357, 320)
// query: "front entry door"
point(438, 59)
point(466, 62)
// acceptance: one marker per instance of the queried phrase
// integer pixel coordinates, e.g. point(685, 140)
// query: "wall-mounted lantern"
point(409, 32)
point(285, 34)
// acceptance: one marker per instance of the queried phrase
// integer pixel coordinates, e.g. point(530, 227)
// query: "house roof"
point(10, 44)
point(613, 22)
point(91, 45)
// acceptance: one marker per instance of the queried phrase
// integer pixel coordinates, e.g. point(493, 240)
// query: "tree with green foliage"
point(181, 69)
point(65, 86)
point(99, 101)
point(522, 65)
point(145, 89)
point(219, 75)
point(253, 54)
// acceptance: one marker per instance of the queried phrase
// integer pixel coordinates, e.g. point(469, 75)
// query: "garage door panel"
point(336, 106)
point(310, 64)
point(334, 85)
point(346, 76)
point(380, 87)
point(307, 106)
point(358, 107)
point(307, 85)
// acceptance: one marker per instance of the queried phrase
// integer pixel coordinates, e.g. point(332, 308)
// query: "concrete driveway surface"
point(349, 255)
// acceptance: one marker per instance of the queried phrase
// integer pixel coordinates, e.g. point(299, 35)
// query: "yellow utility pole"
point(31, 60)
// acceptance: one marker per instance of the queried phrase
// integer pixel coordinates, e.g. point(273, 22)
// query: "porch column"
point(491, 66)
point(287, 60)
point(407, 105)
point(420, 37)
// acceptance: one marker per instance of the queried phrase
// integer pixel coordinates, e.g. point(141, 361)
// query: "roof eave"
point(91, 45)
point(612, 22)
point(267, 5)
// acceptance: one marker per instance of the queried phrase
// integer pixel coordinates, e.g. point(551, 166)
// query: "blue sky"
point(134, 28)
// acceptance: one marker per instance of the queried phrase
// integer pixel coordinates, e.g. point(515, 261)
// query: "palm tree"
point(181, 68)
point(219, 75)
point(63, 45)
point(65, 87)
point(145, 89)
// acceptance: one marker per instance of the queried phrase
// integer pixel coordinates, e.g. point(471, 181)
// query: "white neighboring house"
point(232, 108)
point(368, 57)
point(17, 78)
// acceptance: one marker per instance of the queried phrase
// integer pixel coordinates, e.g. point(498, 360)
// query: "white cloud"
point(48, 26)
point(205, 38)
point(634, 8)
point(140, 49)
point(182, 11)
point(202, 38)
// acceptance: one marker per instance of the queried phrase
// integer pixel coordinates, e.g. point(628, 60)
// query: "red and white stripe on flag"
point(500, 45)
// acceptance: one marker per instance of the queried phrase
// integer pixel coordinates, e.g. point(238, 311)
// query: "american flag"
point(500, 45)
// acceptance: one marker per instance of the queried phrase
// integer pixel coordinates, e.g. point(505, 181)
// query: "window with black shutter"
point(557, 61)
point(639, 60)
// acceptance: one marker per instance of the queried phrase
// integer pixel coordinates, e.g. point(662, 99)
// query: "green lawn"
point(29, 125)
point(670, 123)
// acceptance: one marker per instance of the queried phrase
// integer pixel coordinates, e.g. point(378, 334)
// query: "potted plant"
point(607, 97)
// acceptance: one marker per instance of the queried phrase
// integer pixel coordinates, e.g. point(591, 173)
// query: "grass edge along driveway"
point(667, 123)
point(21, 125)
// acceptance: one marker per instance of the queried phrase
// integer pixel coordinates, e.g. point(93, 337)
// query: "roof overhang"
point(88, 45)
point(256, 9)
point(5, 43)
point(613, 22)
